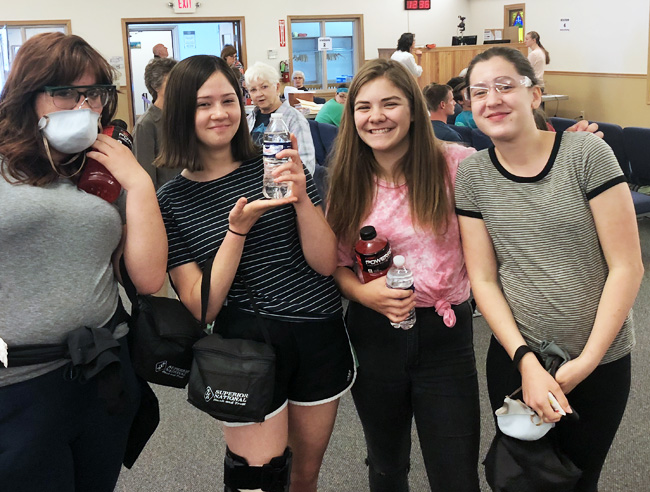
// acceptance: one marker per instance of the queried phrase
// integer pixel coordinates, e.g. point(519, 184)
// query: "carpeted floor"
point(186, 453)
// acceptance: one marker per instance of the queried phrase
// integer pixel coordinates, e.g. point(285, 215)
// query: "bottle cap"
point(367, 233)
point(399, 261)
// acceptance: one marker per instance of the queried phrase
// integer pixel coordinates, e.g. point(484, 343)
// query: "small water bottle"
point(400, 277)
point(276, 139)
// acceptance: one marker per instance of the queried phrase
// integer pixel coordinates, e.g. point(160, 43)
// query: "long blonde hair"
point(354, 167)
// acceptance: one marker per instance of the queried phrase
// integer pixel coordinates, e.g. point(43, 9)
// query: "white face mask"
point(70, 131)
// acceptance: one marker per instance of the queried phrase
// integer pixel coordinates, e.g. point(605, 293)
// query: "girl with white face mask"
point(59, 251)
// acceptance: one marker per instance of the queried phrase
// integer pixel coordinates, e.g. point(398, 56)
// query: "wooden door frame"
point(169, 20)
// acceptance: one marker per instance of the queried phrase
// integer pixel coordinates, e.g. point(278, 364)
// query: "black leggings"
point(600, 401)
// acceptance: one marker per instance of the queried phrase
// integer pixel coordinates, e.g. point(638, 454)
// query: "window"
point(14, 34)
point(324, 69)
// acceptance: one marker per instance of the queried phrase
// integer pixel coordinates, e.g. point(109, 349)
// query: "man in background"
point(441, 104)
point(160, 51)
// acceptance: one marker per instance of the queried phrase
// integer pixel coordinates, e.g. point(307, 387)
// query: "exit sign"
point(417, 4)
point(184, 6)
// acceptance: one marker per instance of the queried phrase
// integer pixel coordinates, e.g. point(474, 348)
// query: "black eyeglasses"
point(67, 97)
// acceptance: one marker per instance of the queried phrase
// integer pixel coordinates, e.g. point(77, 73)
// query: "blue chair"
point(613, 135)
point(561, 124)
point(637, 148)
point(323, 135)
point(636, 141)
point(465, 133)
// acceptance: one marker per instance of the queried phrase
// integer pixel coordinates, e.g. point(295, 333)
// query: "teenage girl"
point(59, 255)
point(538, 56)
point(389, 171)
point(552, 249)
point(283, 249)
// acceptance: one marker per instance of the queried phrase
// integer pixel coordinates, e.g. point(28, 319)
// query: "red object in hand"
point(373, 253)
point(95, 178)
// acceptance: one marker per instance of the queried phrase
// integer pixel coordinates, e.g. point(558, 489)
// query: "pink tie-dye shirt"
point(436, 261)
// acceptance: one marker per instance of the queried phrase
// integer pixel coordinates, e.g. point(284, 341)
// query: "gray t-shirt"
point(55, 266)
point(550, 262)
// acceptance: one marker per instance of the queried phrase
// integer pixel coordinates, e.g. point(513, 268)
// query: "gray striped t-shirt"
point(550, 264)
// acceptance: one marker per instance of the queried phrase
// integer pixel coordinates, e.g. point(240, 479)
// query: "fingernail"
point(569, 410)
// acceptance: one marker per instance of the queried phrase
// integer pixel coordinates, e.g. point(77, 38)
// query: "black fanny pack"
point(232, 379)
point(162, 333)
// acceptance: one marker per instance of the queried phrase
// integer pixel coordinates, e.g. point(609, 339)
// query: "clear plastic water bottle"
point(276, 139)
point(400, 277)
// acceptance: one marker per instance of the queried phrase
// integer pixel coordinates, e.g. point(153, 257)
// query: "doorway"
point(205, 36)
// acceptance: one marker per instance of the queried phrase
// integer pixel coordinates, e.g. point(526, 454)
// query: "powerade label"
point(272, 148)
point(376, 263)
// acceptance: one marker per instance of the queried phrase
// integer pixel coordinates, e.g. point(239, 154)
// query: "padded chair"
point(473, 137)
point(465, 133)
point(613, 135)
point(637, 148)
point(323, 135)
point(561, 124)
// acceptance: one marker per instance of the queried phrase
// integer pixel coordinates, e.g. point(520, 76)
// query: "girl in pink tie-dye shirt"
point(389, 171)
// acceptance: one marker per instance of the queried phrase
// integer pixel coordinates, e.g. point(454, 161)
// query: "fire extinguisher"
point(284, 70)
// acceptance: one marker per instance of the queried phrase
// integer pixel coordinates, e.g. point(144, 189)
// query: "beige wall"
point(607, 98)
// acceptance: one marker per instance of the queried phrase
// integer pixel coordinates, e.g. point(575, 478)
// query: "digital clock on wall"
point(417, 4)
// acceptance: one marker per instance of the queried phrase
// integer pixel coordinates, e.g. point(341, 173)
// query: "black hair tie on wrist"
point(236, 233)
point(519, 353)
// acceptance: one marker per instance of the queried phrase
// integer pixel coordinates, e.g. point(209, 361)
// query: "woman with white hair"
point(263, 82)
point(298, 79)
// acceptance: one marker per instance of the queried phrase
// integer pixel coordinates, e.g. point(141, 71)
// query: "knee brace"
point(271, 477)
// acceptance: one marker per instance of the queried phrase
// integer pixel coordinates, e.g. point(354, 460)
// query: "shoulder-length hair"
point(48, 59)
point(354, 168)
point(405, 41)
point(180, 146)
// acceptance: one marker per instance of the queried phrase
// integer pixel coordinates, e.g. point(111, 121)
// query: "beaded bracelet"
point(519, 353)
point(236, 233)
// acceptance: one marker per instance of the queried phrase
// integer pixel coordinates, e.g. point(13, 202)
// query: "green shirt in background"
point(331, 113)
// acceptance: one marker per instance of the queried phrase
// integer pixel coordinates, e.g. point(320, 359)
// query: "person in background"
point(298, 80)
point(389, 171)
point(457, 86)
point(441, 104)
point(283, 249)
point(60, 429)
point(537, 56)
point(332, 110)
point(229, 54)
point(552, 249)
point(465, 117)
point(405, 51)
point(160, 51)
point(147, 132)
point(263, 82)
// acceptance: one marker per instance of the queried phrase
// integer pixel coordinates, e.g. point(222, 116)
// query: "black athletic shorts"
point(314, 361)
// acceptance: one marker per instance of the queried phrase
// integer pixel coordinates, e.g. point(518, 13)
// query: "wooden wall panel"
point(441, 64)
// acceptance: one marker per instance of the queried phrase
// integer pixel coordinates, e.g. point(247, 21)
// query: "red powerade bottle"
point(374, 256)
point(95, 178)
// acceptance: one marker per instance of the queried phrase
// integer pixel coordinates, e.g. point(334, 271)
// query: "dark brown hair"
point(518, 60)
point(228, 50)
point(46, 59)
point(179, 147)
point(354, 167)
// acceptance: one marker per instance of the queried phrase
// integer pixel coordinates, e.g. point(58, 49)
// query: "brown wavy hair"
point(179, 148)
point(46, 59)
point(354, 167)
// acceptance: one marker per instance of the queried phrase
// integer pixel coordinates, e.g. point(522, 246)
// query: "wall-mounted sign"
point(184, 6)
point(417, 4)
point(324, 44)
point(283, 33)
point(565, 25)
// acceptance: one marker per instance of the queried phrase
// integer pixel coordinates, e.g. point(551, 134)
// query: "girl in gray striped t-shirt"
point(552, 250)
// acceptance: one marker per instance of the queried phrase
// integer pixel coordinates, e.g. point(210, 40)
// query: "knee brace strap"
point(271, 477)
